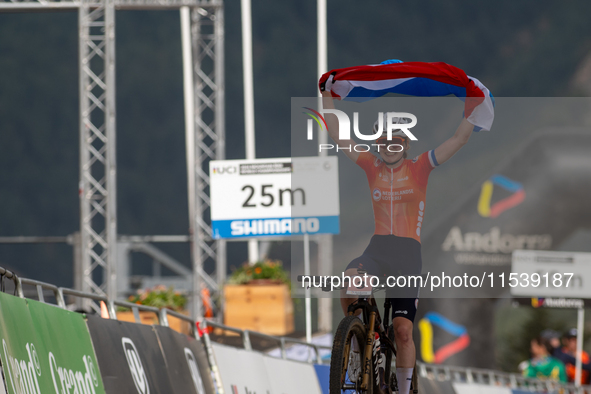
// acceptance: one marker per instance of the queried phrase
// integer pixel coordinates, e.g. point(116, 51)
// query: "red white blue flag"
point(362, 83)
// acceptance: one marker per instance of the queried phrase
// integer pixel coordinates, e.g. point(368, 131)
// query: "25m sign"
point(274, 197)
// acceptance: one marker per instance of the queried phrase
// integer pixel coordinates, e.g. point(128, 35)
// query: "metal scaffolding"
point(98, 168)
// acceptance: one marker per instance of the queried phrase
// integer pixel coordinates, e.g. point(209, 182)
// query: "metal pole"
point(322, 57)
point(189, 95)
point(111, 170)
point(325, 240)
point(221, 263)
point(83, 185)
point(307, 291)
point(578, 366)
point(253, 245)
point(248, 79)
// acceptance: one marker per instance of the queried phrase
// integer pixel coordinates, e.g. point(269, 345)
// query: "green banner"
point(46, 349)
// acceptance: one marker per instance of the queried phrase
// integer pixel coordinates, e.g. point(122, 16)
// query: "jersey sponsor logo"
point(420, 217)
point(415, 159)
point(402, 179)
point(404, 312)
point(377, 162)
point(377, 194)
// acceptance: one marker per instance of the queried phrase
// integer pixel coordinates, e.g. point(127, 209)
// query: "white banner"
point(291, 377)
point(550, 274)
point(470, 388)
point(271, 197)
point(241, 371)
point(245, 371)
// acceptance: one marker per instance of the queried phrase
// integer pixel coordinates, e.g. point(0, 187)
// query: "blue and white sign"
point(274, 197)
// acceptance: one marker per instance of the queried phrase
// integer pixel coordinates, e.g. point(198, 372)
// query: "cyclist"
point(398, 186)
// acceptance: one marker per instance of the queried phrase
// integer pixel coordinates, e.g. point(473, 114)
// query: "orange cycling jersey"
point(398, 194)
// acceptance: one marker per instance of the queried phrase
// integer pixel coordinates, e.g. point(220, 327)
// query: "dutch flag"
point(421, 79)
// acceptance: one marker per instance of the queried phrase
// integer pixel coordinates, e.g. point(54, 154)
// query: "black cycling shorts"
point(390, 255)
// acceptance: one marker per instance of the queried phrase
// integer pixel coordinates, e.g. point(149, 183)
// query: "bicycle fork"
point(368, 351)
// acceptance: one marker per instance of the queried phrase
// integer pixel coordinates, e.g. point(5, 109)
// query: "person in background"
point(568, 355)
point(553, 339)
point(542, 365)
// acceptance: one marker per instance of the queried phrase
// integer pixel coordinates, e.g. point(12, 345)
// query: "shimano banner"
point(187, 362)
point(129, 357)
point(46, 349)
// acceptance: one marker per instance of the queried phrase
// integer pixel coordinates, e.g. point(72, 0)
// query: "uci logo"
point(225, 170)
point(135, 366)
point(194, 371)
point(377, 194)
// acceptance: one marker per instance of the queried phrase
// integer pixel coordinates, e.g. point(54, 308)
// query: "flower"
point(267, 269)
point(160, 297)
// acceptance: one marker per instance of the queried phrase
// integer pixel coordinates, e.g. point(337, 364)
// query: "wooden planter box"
point(264, 308)
point(150, 318)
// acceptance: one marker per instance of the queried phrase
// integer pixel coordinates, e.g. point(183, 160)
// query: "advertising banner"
point(46, 349)
point(242, 371)
point(186, 361)
point(272, 197)
point(291, 377)
point(129, 357)
point(469, 388)
point(323, 374)
point(550, 274)
point(2, 384)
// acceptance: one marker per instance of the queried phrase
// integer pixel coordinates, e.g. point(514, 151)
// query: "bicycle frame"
point(371, 314)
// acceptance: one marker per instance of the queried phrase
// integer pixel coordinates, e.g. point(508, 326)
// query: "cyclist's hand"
point(326, 85)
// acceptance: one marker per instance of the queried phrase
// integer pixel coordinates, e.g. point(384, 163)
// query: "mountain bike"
point(375, 340)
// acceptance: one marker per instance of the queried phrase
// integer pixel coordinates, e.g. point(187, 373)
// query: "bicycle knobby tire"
point(349, 326)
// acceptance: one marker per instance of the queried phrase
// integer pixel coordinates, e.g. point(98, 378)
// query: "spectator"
point(553, 338)
point(568, 356)
point(542, 365)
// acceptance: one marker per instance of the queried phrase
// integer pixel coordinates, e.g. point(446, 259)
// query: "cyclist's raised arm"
point(333, 128)
point(451, 146)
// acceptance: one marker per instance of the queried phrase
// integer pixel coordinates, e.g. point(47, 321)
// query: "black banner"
point(129, 357)
point(186, 361)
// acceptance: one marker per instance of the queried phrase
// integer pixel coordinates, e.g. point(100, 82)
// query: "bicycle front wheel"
point(346, 369)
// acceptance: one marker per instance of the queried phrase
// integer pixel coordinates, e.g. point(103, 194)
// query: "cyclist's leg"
point(404, 311)
point(364, 263)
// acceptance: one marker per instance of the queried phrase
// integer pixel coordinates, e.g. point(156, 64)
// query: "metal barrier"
point(39, 287)
point(163, 318)
point(246, 343)
point(495, 378)
point(4, 273)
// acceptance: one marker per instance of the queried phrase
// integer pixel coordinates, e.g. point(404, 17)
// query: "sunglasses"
point(393, 141)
